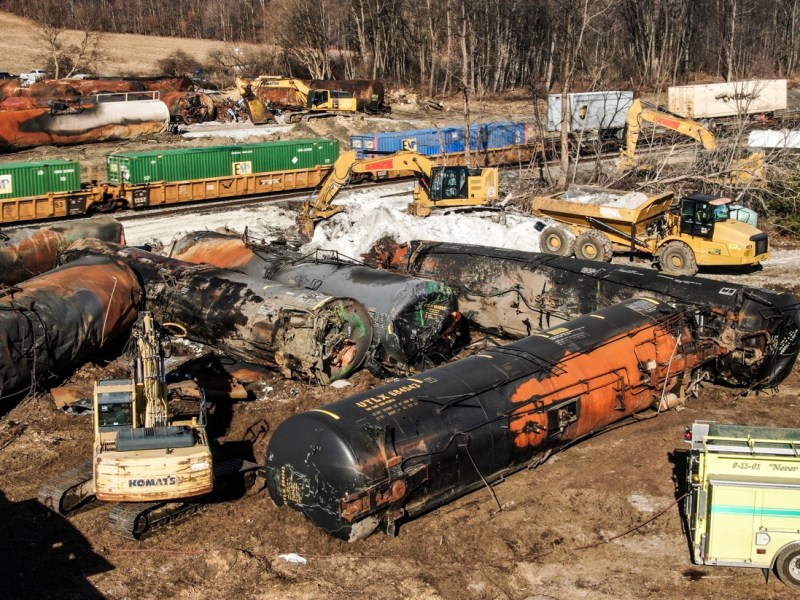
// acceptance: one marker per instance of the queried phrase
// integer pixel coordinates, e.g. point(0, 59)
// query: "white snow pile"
point(368, 217)
point(607, 198)
point(234, 131)
point(265, 223)
point(372, 215)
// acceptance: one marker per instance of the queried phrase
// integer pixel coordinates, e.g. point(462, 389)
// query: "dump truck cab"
point(704, 223)
point(743, 497)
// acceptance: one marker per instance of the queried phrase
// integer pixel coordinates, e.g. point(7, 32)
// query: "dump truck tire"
point(557, 240)
point(787, 565)
point(593, 245)
point(676, 258)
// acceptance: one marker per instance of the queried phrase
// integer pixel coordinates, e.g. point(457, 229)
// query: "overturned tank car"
point(415, 321)
point(514, 293)
point(64, 124)
point(302, 333)
point(391, 453)
point(51, 323)
point(29, 251)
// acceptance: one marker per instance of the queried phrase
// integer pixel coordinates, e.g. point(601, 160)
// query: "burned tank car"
point(415, 321)
point(402, 449)
point(302, 333)
point(515, 293)
point(29, 251)
point(50, 324)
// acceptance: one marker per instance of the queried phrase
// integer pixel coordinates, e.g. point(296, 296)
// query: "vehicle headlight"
point(762, 538)
point(200, 466)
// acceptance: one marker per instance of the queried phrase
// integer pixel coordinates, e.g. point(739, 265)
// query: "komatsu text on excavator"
point(436, 187)
point(154, 466)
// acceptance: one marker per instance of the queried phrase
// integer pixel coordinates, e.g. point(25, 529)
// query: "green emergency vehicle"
point(743, 501)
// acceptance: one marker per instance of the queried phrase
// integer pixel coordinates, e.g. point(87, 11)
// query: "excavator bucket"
point(258, 112)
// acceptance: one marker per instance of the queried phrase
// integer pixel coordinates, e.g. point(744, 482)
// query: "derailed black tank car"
point(389, 454)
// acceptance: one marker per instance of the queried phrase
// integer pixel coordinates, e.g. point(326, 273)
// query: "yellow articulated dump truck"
point(593, 223)
point(743, 500)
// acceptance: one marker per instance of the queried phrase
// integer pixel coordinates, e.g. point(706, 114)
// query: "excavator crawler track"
point(70, 492)
point(137, 520)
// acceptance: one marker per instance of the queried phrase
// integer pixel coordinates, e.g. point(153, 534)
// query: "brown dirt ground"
point(550, 540)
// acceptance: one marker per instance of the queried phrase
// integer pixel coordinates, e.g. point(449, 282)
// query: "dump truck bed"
point(618, 208)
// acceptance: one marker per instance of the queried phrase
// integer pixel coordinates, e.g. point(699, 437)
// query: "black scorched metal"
point(29, 251)
point(303, 333)
point(51, 323)
point(514, 293)
point(402, 449)
point(415, 321)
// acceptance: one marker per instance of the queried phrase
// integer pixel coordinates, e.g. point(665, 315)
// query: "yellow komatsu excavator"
point(152, 465)
point(314, 102)
point(741, 171)
point(436, 186)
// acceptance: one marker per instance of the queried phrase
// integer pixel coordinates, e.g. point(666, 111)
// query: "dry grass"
point(124, 54)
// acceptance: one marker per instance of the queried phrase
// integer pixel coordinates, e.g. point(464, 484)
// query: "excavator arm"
point(320, 205)
point(638, 114)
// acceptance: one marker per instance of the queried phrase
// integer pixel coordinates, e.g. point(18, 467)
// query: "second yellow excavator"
point(436, 187)
point(741, 171)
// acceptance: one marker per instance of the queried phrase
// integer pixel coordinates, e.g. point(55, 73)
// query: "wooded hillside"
point(481, 45)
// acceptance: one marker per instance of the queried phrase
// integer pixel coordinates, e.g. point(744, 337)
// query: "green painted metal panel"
point(188, 164)
point(30, 179)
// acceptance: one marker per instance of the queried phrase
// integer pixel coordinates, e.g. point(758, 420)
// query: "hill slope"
point(124, 54)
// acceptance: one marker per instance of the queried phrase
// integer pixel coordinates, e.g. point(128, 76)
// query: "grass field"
point(124, 54)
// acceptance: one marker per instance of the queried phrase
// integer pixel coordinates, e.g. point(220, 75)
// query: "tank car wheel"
point(676, 258)
point(558, 241)
point(593, 245)
point(787, 565)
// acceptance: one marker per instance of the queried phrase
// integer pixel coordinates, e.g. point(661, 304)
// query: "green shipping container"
point(220, 161)
point(31, 179)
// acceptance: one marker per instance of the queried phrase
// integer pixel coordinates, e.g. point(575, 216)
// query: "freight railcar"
point(54, 189)
point(399, 450)
point(157, 177)
point(490, 144)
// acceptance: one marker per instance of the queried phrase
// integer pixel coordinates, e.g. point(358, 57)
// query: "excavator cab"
point(449, 183)
point(330, 100)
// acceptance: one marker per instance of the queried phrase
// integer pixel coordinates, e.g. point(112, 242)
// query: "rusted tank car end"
point(399, 450)
point(416, 322)
point(302, 333)
point(29, 251)
point(51, 323)
point(515, 293)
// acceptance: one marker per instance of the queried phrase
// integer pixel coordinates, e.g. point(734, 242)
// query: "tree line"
point(481, 46)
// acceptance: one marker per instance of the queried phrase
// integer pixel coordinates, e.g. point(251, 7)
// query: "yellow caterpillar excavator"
point(314, 102)
point(742, 171)
point(436, 186)
point(154, 466)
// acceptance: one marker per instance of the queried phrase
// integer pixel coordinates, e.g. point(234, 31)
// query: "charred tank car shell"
point(304, 334)
point(415, 321)
point(402, 449)
point(514, 293)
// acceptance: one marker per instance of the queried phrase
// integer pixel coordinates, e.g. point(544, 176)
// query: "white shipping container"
point(715, 100)
point(591, 111)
